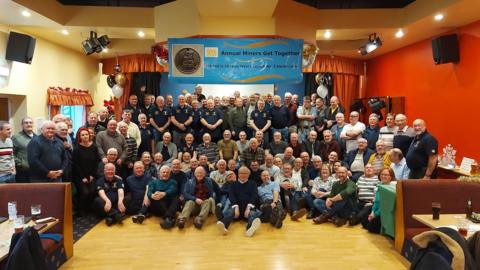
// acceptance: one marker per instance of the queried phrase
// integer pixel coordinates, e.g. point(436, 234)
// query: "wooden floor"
point(298, 245)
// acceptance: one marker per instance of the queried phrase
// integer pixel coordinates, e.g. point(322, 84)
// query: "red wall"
point(446, 96)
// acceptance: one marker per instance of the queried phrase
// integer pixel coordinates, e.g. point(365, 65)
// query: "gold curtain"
point(67, 97)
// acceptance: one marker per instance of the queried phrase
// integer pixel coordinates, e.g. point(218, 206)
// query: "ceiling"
point(115, 3)
point(350, 23)
point(355, 4)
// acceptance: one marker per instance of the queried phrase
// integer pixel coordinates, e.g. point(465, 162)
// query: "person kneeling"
point(162, 199)
point(109, 203)
point(243, 195)
point(341, 202)
point(198, 194)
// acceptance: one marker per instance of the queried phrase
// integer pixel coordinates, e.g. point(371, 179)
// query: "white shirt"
point(352, 143)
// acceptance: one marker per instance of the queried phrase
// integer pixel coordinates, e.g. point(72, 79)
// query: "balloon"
point(161, 61)
point(120, 79)
point(318, 77)
point(322, 91)
point(117, 68)
point(117, 91)
point(308, 62)
point(111, 80)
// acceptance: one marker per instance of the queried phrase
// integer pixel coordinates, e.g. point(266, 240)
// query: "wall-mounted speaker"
point(20, 48)
point(445, 49)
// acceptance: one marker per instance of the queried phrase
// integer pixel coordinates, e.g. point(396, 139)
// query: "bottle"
point(12, 210)
point(469, 209)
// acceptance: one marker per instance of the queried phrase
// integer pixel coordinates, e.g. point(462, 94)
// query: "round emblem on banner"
point(187, 60)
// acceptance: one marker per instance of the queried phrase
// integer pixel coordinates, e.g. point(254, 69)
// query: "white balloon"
point(117, 91)
point(162, 62)
point(308, 62)
point(322, 91)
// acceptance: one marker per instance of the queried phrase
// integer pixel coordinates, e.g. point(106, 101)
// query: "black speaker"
point(20, 48)
point(445, 49)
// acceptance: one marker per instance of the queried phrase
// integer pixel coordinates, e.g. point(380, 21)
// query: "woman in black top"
point(85, 162)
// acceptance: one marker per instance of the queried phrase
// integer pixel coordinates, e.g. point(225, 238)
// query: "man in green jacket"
point(162, 199)
point(20, 143)
point(341, 202)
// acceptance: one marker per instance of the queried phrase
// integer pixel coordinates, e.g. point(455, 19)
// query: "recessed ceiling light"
point(327, 34)
point(141, 34)
point(399, 33)
point(438, 17)
point(65, 32)
point(26, 13)
point(105, 50)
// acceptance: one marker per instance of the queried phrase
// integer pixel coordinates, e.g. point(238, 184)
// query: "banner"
point(235, 61)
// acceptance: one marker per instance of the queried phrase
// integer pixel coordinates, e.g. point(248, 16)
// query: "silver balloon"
point(161, 61)
point(117, 91)
point(322, 91)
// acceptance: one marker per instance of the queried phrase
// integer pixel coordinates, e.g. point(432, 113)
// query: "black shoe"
point(118, 217)
point(275, 216)
point(267, 212)
point(109, 221)
point(167, 223)
point(218, 212)
point(353, 220)
point(310, 215)
point(138, 218)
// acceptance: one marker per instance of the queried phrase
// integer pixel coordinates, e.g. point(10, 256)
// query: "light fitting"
point(26, 13)
point(374, 42)
point(327, 34)
point(141, 34)
point(399, 33)
point(65, 32)
point(94, 44)
point(438, 17)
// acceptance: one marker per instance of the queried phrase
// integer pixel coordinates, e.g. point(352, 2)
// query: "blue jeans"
point(9, 178)
point(230, 213)
point(283, 131)
point(294, 197)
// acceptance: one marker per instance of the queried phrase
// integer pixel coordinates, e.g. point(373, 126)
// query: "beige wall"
point(52, 65)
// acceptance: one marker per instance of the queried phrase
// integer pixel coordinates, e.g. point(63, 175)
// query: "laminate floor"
point(298, 245)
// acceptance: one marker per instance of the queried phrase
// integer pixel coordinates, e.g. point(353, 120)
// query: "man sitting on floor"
point(136, 186)
point(341, 202)
point(270, 203)
point(288, 189)
point(109, 203)
point(163, 198)
point(198, 194)
point(243, 197)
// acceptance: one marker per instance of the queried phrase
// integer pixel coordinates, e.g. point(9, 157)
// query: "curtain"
point(133, 63)
point(150, 79)
point(326, 63)
point(57, 97)
point(345, 87)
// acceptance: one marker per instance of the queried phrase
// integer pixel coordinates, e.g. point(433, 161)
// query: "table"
point(446, 220)
point(445, 172)
point(6, 231)
point(388, 196)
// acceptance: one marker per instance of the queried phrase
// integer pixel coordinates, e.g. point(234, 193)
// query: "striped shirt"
point(131, 150)
point(211, 152)
point(366, 187)
point(7, 162)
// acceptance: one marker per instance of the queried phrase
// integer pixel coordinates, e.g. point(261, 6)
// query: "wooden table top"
point(446, 220)
point(6, 231)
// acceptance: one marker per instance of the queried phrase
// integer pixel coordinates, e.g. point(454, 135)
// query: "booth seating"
point(56, 201)
point(416, 197)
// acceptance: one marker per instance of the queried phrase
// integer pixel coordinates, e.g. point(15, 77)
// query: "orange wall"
point(446, 96)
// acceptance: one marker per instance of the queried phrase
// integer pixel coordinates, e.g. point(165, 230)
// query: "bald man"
point(422, 156)
point(109, 203)
point(341, 202)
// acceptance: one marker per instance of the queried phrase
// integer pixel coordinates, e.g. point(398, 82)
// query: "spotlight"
point(399, 33)
point(141, 34)
point(438, 17)
point(94, 44)
point(373, 43)
point(26, 13)
point(327, 34)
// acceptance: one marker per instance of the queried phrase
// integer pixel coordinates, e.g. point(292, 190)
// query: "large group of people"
point(257, 158)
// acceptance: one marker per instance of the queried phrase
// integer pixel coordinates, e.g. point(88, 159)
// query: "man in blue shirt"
point(181, 119)
point(212, 119)
point(280, 117)
point(160, 118)
point(270, 203)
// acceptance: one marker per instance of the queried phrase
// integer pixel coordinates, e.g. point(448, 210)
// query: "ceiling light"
point(327, 34)
point(438, 17)
point(26, 13)
point(372, 44)
point(105, 50)
point(141, 34)
point(399, 33)
point(65, 32)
